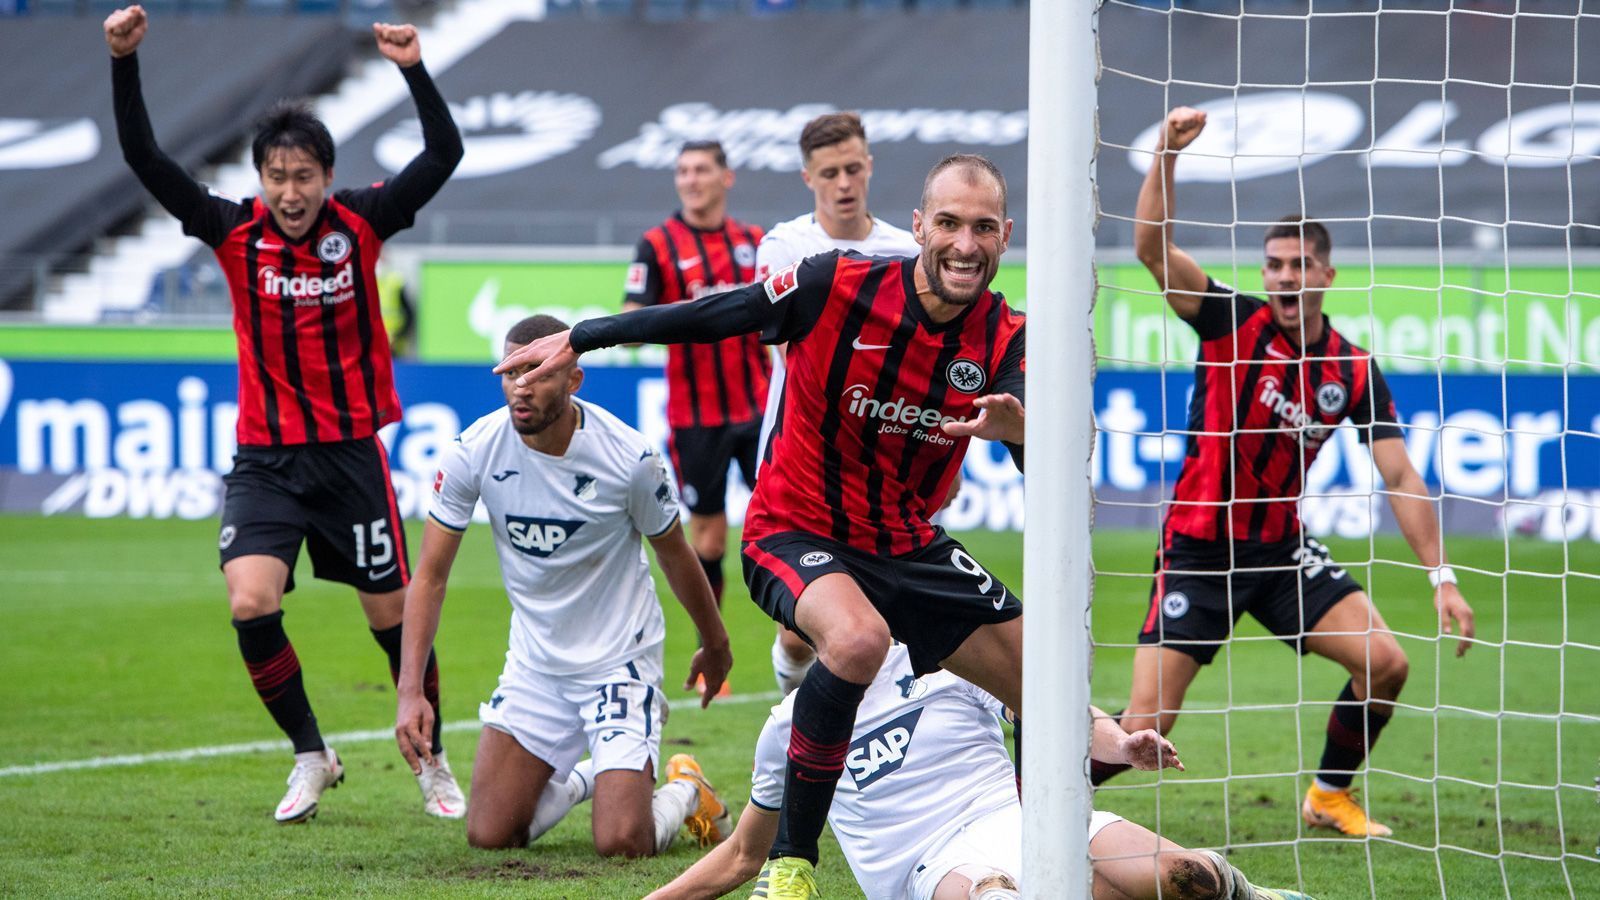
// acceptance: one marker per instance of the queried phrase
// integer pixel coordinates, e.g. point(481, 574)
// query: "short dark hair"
point(289, 124)
point(1298, 226)
point(965, 161)
point(534, 327)
point(829, 129)
point(712, 147)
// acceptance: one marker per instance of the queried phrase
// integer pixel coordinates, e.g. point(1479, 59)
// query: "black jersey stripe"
point(291, 349)
point(743, 275)
point(1273, 443)
point(365, 294)
point(900, 344)
point(1244, 395)
point(938, 387)
point(691, 377)
point(269, 392)
point(719, 376)
point(330, 352)
point(832, 420)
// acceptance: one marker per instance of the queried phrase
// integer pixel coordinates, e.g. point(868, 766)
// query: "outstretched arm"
point(413, 720)
point(733, 862)
point(688, 582)
point(1414, 513)
point(1179, 276)
point(416, 184)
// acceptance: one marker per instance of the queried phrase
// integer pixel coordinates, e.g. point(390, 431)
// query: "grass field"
point(118, 644)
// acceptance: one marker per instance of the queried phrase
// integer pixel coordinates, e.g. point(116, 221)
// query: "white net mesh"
point(1453, 151)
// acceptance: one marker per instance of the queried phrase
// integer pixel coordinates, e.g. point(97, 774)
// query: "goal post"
point(1057, 573)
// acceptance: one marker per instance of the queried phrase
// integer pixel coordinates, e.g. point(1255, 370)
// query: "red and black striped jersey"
point(1261, 411)
point(314, 358)
point(857, 453)
point(723, 383)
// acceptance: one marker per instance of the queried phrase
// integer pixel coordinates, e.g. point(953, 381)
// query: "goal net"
point(1453, 152)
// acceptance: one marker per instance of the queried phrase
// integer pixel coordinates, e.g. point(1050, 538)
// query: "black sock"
point(1353, 727)
point(713, 570)
point(275, 672)
point(824, 715)
point(389, 640)
point(1102, 772)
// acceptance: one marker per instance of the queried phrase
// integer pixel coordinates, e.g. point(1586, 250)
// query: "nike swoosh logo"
point(374, 576)
point(1002, 601)
point(263, 245)
point(689, 263)
point(860, 346)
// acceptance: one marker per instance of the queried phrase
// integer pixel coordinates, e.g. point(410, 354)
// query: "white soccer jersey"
point(926, 758)
point(800, 237)
point(567, 529)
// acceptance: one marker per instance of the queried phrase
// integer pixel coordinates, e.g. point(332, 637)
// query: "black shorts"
point(1285, 588)
point(336, 497)
point(933, 598)
point(700, 456)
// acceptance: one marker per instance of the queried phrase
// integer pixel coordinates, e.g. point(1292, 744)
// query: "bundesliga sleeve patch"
point(783, 282)
point(636, 278)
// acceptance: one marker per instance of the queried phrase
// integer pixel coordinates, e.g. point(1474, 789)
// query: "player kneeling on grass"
point(569, 490)
point(927, 808)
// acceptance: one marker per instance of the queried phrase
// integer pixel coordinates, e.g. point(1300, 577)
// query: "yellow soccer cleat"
point(1339, 811)
point(786, 878)
point(710, 822)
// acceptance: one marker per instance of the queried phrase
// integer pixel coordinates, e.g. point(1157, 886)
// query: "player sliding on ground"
point(315, 384)
point(1275, 378)
point(894, 365)
point(927, 808)
point(569, 490)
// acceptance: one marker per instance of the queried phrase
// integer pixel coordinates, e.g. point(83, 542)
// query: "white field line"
point(283, 746)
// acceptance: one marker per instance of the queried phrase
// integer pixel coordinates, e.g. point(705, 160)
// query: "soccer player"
point(928, 809)
point(569, 489)
point(837, 167)
point(715, 392)
point(315, 383)
point(1273, 381)
point(894, 365)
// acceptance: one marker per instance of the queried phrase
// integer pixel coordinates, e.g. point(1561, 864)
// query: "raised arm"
point(416, 184)
point(688, 582)
point(1174, 270)
point(1414, 513)
point(413, 719)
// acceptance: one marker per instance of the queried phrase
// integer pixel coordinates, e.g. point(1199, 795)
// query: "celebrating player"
point(569, 490)
point(837, 168)
point(894, 365)
point(715, 392)
point(1275, 378)
point(928, 810)
point(315, 383)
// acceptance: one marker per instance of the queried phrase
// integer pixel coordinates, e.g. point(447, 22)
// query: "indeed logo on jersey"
point(883, 751)
point(1292, 412)
point(539, 537)
point(896, 415)
point(309, 290)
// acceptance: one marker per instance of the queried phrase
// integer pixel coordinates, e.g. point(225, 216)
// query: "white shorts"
point(992, 843)
point(616, 715)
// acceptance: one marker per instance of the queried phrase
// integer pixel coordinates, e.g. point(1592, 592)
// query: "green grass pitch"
point(117, 643)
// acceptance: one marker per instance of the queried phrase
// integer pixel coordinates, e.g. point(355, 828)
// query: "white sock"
point(1324, 786)
point(788, 672)
point(559, 798)
point(671, 804)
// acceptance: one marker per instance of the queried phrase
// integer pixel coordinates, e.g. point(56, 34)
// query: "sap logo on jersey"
point(897, 413)
point(308, 290)
point(883, 751)
point(539, 537)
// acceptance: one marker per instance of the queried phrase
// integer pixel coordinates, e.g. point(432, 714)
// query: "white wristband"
point(1442, 575)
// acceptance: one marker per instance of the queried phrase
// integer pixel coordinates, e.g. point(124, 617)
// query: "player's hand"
point(544, 355)
point(1184, 124)
point(413, 729)
point(1147, 751)
point(710, 665)
point(398, 43)
point(125, 28)
point(1000, 418)
point(1453, 608)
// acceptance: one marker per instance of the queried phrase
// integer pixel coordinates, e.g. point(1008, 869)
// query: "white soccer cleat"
point(441, 796)
point(311, 775)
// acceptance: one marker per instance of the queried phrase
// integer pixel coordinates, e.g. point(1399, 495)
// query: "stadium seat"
point(935, 5)
point(53, 7)
point(266, 7)
point(206, 7)
point(360, 14)
point(611, 8)
point(827, 5)
point(774, 6)
point(557, 8)
point(993, 4)
point(881, 5)
point(317, 7)
point(666, 10)
point(713, 9)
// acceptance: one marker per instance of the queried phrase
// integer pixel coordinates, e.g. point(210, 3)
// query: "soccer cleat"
point(307, 780)
point(786, 878)
point(441, 796)
point(1339, 811)
point(710, 822)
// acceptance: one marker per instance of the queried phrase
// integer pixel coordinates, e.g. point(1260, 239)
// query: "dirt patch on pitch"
point(519, 870)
